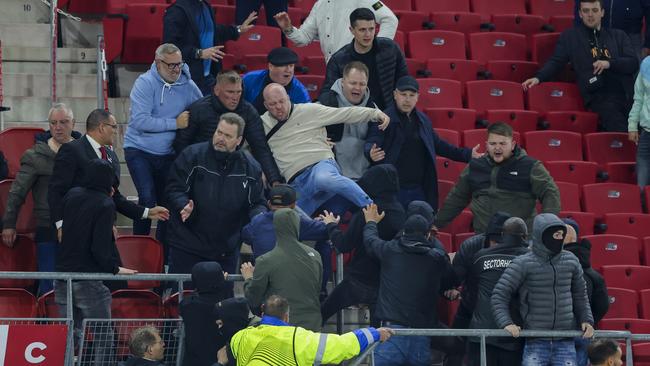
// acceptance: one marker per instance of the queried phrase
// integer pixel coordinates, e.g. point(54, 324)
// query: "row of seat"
point(628, 303)
point(544, 8)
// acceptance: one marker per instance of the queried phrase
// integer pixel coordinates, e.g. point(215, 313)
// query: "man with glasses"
point(70, 166)
point(605, 64)
point(158, 100)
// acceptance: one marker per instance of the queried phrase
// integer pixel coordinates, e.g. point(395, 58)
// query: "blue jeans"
point(404, 350)
point(540, 352)
point(581, 351)
point(643, 159)
point(323, 182)
point(46, 262)
point(90, 300)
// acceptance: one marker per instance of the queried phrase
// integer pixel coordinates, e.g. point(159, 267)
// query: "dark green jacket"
point(513, 186)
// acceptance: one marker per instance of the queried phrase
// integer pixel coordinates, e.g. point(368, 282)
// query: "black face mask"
point(552, 244)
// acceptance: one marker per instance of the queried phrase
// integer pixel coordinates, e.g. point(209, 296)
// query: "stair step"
point(24, 11)
point(25, 35)
point(37, 67)
point(34, 109)
point(42, 54)
point(37, 85)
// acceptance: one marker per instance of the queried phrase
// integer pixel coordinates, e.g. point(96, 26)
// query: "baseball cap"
point(407, 82)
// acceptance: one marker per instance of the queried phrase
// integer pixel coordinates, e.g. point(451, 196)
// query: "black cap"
point(282, 195)
point(282, 56)
point(407, 82)
point(416, 224)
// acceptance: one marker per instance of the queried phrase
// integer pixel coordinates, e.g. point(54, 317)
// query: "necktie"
point(102, 150)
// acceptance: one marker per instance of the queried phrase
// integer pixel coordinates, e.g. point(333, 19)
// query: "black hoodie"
point(380, 182)
point(596, 288)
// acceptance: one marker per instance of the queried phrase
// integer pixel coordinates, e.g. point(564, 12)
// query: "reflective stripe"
point(321, 349)
point(369, 336)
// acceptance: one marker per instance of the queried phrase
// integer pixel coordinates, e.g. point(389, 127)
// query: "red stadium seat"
point(637, 225)
point(554, 145)
point(310, 50)
point(516, 71)
point(623, 303)
point(547, 8)
point(98, 7)
point(315, 65)
point(444, 187)
point(170, 305)
point(573, 171)
point(457, 21)
point(259, 40)
point(416, 67)
point(624, 276)
point(446, 240)
point(410, 21)
point(313, 84)
point(14, 141)
point(113, 28)
point(456, 69)
point(19, 258)
point(448, 169)
point(461, 224)
point(452, 118)
point(581, 122)
point(475, 137)
point(225, 14)
point(519, 23)
point(604, 198)
point(606, 147)
point(487, 8)
point(400, 39)
point(632, 325)
point(305, 5)
point(47, 307)
point(429, 6)
point(520, 121)
point(398, 4)
point(569, 196)
point(142, 253)
point(17, 303)
point(542, 46)
point(645, 304)
point(459, 239)
point(483, 95)
point(253, 62)
point(621, 172)
point(440, 93)
point(554, 97)
point(436, 44)
point(451, 136)
point(26, 221)
point(645, 250)
point(485, 47)
point(613, 250)
point(560, 23)
point(585, 220)
point(143, 32)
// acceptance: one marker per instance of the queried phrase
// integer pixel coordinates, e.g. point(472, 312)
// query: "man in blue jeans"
point(158, 99)
point(552, 295)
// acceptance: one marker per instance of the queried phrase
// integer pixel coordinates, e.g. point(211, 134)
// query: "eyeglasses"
point(113, 126)
point(173, 66)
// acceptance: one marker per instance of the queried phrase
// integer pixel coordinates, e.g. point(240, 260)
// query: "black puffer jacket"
point(552, 294)
point(596, 287)
point(204, 117)
point(391, 65)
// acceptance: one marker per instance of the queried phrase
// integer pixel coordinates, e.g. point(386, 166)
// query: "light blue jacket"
point(155, 104)
point(640, 112)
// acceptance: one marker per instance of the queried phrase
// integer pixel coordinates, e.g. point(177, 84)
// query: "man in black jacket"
point(605, 64)
point(213, 190)
point(71, 162)
point(191, 26)
point(204, 117)
point(487, 266)
point(90, 247)
point(382, 56)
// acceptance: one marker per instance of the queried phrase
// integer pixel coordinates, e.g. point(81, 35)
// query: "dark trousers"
point(612, 110)
point(181, 261)
point(347, 293)
point(323, 248)
point(272, 7)
point(495, 356)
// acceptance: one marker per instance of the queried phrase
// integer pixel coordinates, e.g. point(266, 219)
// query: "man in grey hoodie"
point(349, 139)
point(552, 295)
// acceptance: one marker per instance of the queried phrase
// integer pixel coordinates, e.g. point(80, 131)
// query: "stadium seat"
point(624, 276)
point(398, 4)
point(613, 250)
point(542, 46)
point(252, 62)
point(604, 198)
point(314, 65)
point(547, 8)
point(520, 121)
point(410, 21)
point(444, 187)
point(305, 5)
point(461, 224)
point(400, 39)
point(440, 93)
point(446, 240)
point(486, 7)
point(429, 6)
point(113, 28)
point(487, 46)
point(47, 308)
point(585, 220)
point(99, 7)
point(259, 40)
point(136, 304)
point(645, 251)
point(170, 305)
point(623, 303)
point(554, 145)
point(452, 118)
point(569, 196)
point(455, 69)
point(459, 239)
point(644, 296)
point(14, 142)
point(19, 258)
point(515, 71)
point(448, 169)
point(26, 221)
point(225, 14)
point(621, 172)
point(554, 96)
point(483, 95)
point(436, 44)
point(417, 68)
point(575, 121)
point(457, 21)
point(637, 225)
point(475, 137)
point(573, 171)
point(142, 253)
point(17, 303)
point(310, 50)
point(606, 147)
point(519, 23)
point(451, 136)
point(630, 324)
point(313, 84)
point(560, 23)
point(143, 32)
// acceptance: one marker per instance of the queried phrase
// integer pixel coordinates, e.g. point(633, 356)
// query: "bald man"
point(297, 137)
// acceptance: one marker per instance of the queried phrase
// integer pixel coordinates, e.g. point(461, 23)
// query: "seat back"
point(573, 171)
point(623, 303)
point(455, 69)
point(554, 145)
point(436, 44)
point(440, 93)
point(637, 225)
point(554, 96)
point(542, 46)
point(143, 32)
point(19, 258)
point(313, 84)
point(603, 198)
point(607, 147)
point(487, 46)
point(458, 119)
point(26, 222)
point(17, 303)
point(259, 40)
point(626, 276)
point(509, 70)
point(142, 253)
point(613, 250)
point(13, 143)
point(483, 95)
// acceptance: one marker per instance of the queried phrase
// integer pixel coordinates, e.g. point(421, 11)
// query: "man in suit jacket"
point(70, 165)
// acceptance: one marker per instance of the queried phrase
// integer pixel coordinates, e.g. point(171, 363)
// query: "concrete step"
point(24, 11)
point(37, 85)
point(42, 53)
point(34, 109)
point(25, 35)
point(36, 67)
point(80, 34)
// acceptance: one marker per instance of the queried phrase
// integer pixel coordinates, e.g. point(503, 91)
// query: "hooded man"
point(291, 270)
point(361, 281)
point(158, 99)
point(552, 295)
point(202, 336)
